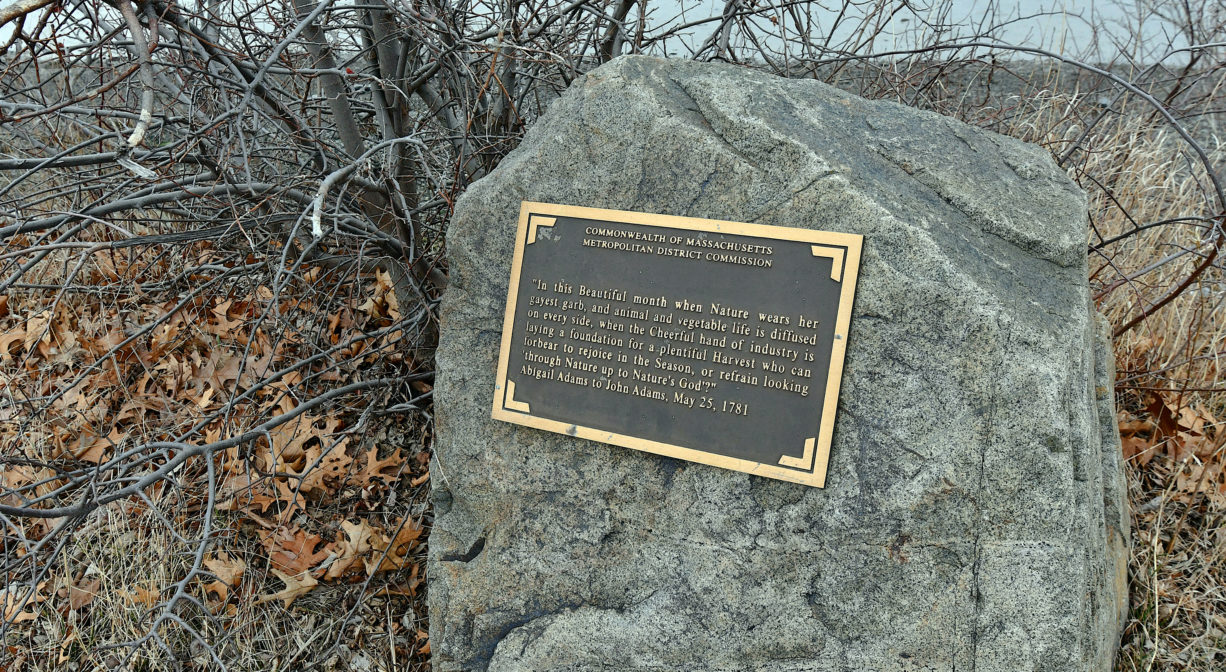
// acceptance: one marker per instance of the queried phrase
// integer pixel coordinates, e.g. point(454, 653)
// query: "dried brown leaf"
point(357, 543)
point(295, 587)
point(83, 593)
point(294, 550)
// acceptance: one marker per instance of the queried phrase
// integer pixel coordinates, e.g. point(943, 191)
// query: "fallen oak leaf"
point(65, 644)
point(21, 605)
point(229, 571)
point(357, 543)
point(294, 550)
point(1138, 450)
point(295, 587)
point(38, 332)
point(15, 476)
point(371, 306)
point(247, 503)
point(375, 467)
point(239, 493)
point(323, 466)
point(106, 342)
point(225, 568)
point(221, 324)
point(90, 448)
point(82, 594)
point(1191, 421)
point(292, 495)
point(144, 596)
point(289, 440)
point(14, 614)
point(395, 554)
point(7, 341)
point(385, 288)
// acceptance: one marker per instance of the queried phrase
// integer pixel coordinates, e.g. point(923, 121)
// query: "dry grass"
point(1171, 398)
point(1170, 392)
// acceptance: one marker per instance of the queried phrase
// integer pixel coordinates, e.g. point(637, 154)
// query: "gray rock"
point(974, 512)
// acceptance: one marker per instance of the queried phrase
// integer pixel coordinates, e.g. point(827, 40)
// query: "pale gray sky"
point(1064, 26)
point(1099, 30)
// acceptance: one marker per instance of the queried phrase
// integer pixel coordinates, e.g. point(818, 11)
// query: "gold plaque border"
point(505, 405)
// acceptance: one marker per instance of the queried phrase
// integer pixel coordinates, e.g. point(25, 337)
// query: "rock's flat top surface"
point(973, 515)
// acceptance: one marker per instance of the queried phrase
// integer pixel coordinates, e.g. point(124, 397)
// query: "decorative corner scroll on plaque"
point(709, 341)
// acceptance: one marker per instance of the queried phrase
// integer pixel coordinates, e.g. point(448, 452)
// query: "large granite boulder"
point(973, 517)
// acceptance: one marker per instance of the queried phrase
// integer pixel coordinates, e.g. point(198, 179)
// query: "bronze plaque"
point(709, 341)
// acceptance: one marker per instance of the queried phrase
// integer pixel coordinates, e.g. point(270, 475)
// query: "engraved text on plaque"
point(710, 341)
